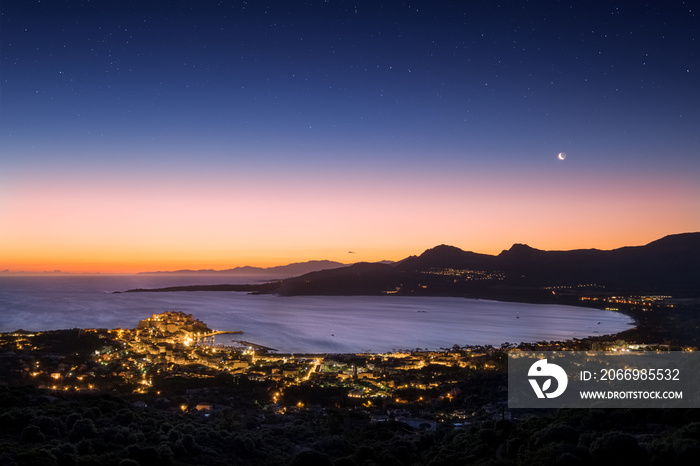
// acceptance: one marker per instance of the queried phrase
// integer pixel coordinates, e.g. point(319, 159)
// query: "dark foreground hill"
point(668, 266)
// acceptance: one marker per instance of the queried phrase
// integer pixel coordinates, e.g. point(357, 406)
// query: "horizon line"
point(222, 271)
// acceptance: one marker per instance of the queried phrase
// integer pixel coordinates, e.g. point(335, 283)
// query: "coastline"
point(660, 324)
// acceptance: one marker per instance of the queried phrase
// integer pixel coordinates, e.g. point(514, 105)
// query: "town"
point(170, 360)
point(174, 354)
point(165, 393)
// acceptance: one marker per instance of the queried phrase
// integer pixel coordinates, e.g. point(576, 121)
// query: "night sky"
point(163, 135)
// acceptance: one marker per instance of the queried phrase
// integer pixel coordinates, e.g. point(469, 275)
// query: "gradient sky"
point(153, 135)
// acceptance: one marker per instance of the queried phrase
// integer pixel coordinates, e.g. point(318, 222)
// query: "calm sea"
point(294, 324)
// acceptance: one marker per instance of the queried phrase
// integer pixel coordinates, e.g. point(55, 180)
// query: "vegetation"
point(38, 429)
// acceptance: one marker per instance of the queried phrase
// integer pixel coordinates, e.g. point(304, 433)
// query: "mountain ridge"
point(669, 265)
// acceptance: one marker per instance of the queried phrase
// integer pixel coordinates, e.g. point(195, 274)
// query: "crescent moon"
point(562, 155)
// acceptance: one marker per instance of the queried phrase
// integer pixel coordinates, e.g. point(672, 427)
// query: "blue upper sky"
point(367, 80)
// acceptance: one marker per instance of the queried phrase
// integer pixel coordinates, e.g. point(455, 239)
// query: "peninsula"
point(667, 267)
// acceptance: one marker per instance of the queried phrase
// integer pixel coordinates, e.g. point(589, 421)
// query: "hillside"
point(670, 266)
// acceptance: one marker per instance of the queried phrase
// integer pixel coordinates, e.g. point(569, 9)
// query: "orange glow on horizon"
point(216, 223)
point(129, 262)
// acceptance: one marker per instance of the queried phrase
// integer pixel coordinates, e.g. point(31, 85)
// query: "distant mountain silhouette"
point(670, 265)
point(281, 271)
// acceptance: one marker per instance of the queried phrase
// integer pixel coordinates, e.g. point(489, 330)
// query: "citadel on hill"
point(182, 326)
point(173, 337)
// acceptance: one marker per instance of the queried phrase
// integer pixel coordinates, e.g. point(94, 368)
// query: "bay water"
point(300, 324)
